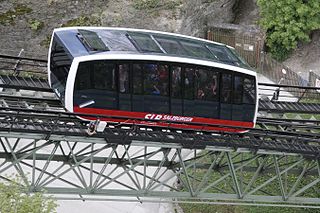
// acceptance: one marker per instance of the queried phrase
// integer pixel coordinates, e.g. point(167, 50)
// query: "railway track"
point(28, 105)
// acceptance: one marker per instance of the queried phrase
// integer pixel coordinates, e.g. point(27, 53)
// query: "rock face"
point(246, 12)
point(28, 24)
point(31, 29)
point(306, 57)
point(198, 14)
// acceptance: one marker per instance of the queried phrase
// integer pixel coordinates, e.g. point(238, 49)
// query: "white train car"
point(152, 78)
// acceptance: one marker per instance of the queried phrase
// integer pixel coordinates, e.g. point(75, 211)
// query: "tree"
point(287, 22)
point(13, 199)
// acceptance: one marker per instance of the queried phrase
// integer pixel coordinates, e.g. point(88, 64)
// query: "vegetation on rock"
point(152, 4)
point(36, 25)
point(9, 16)
point(287, 22)
point(83, 21)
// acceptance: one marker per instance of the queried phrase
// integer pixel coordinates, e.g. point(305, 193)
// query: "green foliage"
point(36, 25)
point(287, 22)
point(14, 200)
point(83, 21)
point(152, 4)
point(10, 16)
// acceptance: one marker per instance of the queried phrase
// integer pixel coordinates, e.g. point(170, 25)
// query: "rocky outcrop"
point(305, 58)
point(198, 14)
point(31, 29)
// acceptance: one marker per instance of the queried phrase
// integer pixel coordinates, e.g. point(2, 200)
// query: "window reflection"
point(226, 88)
point(98, 75)
point(137, 79)
point(123, 78)
point(176, 82)
point(103, 76)
point(238, 88)
point(189, 83)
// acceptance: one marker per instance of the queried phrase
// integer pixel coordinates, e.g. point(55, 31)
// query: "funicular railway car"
point(152, 78)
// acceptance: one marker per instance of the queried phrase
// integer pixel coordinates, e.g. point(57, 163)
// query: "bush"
point(13, 199)
point(287, 22)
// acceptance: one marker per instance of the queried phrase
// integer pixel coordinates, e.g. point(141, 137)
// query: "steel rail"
point(4, 111)
point(60, 116)
point(22, 58)
point(302, 143)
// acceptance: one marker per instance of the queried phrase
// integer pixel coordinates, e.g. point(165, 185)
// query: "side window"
point(212, 86)
point(137, 79)
point(151, 79)
point(206, 85)
point(124, 86)
point(237, 89)
point(249, 91)
point(189, 83)
point(83, 79)
point(163, 72)
point(226, 88)
point(104, 75)
point(176, 82)
point(156, 79)
point(201, 77)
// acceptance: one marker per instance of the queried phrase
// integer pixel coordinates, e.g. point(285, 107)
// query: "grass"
point(25, 74)
point(302, 116)
point(311, 100)
point(83, 21)
point(153, 4)
point(206, 208)
point(226, 186)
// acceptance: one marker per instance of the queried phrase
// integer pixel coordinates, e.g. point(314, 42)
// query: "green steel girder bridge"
point(276, 163)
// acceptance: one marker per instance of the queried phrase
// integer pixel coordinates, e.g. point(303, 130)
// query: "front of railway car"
point(144, 77)
point(59, 63)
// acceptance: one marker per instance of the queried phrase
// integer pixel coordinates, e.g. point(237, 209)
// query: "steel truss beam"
point(145, 172)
